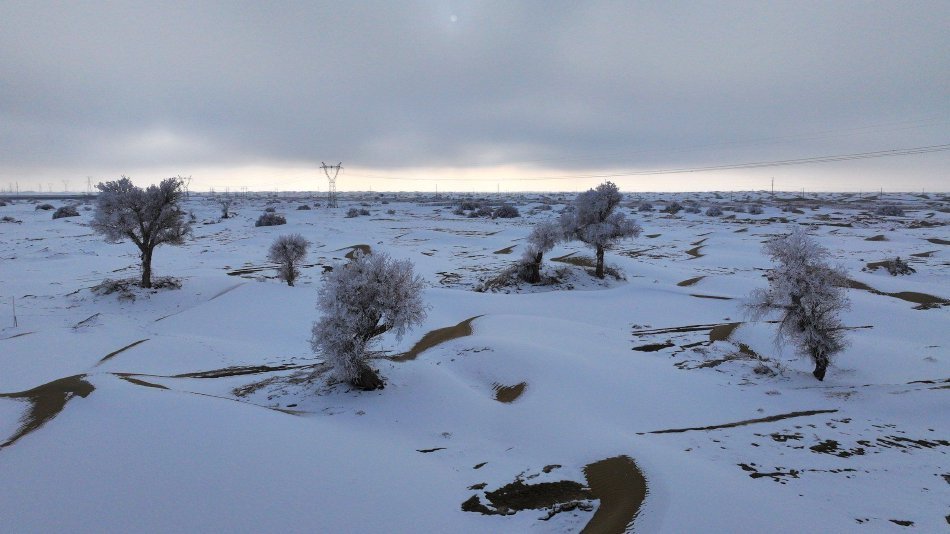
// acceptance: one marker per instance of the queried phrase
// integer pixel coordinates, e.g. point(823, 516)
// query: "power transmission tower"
point(331, 188)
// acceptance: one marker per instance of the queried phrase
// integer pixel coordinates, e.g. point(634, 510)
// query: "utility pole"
point(65, 186)
point(331, 187)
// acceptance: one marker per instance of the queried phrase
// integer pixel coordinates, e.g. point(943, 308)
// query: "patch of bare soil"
point(927, 254)
point(517, 496)
point(653, 347)
point(938, 241)
point(365, 249)
point(697, 295)
point(621, 488)
point(579, 261)
point(652, 236)
point(768, 419)
point(924, 300)
point(46, 402)
point(16, 336)
point(879, 237)
point(506, 250)
point(139, 382)
point(690, 282)
point(436, 337)
point(112, 354)
point(695, 252)
point(508, 394)
point(240, 370)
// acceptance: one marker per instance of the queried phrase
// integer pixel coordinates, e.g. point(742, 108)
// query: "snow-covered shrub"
point(45, 207)
point(288, 251)
point(9, 219)
point(692, 209)
point(754, 209)
point(270, 219)
point(147, 217)
point(303, 207)
point(890, 210)
point(673, 208)
point(225, 204)
point(645, 206)
point(544, 236)
point(65, 211)
point(458, 211)
point(270, 209)
point(594, 222)
point(364, 211)
point(808, 294)
point(371, 295)
point(897, 266)
point(390, 212)
point(714, 211)
point(2, 203)
point(483, 211)
point(352, 212)
point(506, 211)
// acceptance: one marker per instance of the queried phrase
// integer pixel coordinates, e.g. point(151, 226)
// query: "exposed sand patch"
point(579, 261)
point(621, 488)
point(506, 250)
point(123, 349)
point(652, 236)
point(690, 282)
point(16, 335)
point(508, 394)
point(938, 241)
point(768, 419)
point(139, 382)
point(241, 370)
point(46, 402)
point(697, 295)
point(365, 249)
point(436, 337)
point(879, 237)
point(923, 299)
point(695, 252)
point(927, 254)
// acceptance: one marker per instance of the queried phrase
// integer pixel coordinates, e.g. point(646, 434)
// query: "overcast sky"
point(474, 95)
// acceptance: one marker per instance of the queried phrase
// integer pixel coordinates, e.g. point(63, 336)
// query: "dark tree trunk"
point(534, 269)
point(600, 262)
point(147, 268)
point(367, 379)
point(821, 365)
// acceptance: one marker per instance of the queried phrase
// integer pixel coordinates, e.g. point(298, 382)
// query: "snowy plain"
point(193, 410)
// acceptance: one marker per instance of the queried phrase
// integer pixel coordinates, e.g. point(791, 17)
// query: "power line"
point(735, 166)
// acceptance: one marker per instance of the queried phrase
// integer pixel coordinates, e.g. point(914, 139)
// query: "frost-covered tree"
point(225, 203)
point(544, 236)
point(147, 217)
point(371, 295)
point(288, 251)
point(594, 222)
point(808, 294)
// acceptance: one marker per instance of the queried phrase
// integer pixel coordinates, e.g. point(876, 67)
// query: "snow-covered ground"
point(639, 368)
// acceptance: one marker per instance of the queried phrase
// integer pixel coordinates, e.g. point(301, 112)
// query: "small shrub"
point(714, 211)
point(46, 207)
point(65, 211)
point(364, 211)
point(897, 266)
point(755, 209)
point(645, 206)
point(390, 212)
point(270, 219)
point(692, 209)
point(890, 211)
point(506, 211)
point(352, 212)
point(2, 203)
point(673, 208)
point(458, 211)
point(303, 207)
point(270, 209)
point(483, 211)
point(8, 219)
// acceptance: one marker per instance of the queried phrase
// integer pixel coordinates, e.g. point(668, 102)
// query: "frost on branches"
point(808, 294)
point(594, 222)
point(148, 217)
point(288, 251)
point(371, 295)
point(544, 236)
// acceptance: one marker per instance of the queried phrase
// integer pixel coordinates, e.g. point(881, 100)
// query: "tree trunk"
point(534, 269)
point(147, 268)
point(821, 365)
point(367, 379)
point(600, 262)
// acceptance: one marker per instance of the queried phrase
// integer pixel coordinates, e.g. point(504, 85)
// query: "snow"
point(199, 457)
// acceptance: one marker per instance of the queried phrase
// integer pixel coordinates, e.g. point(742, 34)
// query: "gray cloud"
point(566, 85)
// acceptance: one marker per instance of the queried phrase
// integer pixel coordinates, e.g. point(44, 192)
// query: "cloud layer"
point(557, 86)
